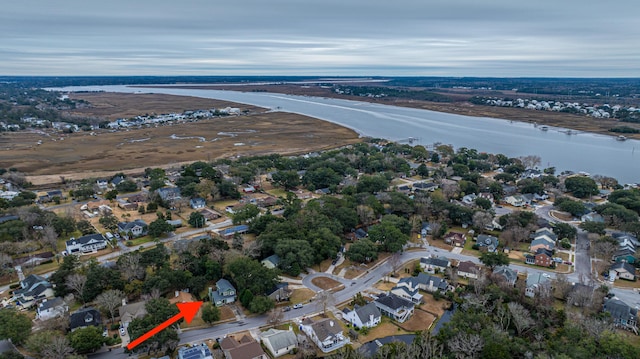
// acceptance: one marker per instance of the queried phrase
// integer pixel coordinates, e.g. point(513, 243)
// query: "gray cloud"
point(328, 37)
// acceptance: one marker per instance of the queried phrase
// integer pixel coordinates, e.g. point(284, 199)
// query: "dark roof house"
point(84, 318)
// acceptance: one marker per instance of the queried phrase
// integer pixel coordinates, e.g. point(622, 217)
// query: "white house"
point(431, 264)
point(326, 334)
point(360, 317)
point(51, 308)
point(279, 342)
point(516, 201)
point(393, 306)
point(136, 228)
point(468, 269)
point(535, 283)
point(86, 244)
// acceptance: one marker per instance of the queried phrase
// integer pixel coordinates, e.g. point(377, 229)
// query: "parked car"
point(286, 309)
point(123, 331)
point(297, 306)
point(568, 263)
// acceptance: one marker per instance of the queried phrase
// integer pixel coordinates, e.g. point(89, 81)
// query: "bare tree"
point(324, 300)
point(521, 317)
point(562, 285)
point(365, 214)
point(513, 236)
point(425, 346)
point(604, 249)
point(59, 348)
point(130, 267)
point(253, 249)
point(416, 223)
point(480, 283)
point(76, 282)
point(435, 228)
point(481, 219)
point(5, 262)
point(50, 238)
point(275, 316)
point(110, 300)
point(394, 262)
point(466, 345)
point(530, 161)
point(580, 296)
point(60, 324)
point(502, 315)
point(450, 190)
point(452, 275)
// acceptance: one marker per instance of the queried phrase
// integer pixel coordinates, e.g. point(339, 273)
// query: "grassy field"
point(102, 152)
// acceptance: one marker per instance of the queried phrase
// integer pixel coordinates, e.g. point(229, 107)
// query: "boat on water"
point(544, 128)
point(621, 138)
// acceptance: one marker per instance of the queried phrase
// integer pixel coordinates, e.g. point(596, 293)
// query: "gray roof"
point(543, 241)
point(326, 328)
point(223, 285)
point(86, 239)
point(394, 302)
point(438, 262)
point(487, 241)
point(424, 278)
point(127, 226)
point(33, 286)
point(624, 265)
point(280, 339)
point(537, 278)
point(366, 311)
point(274, 259)
point(620, 310)
point(51, 303)
point(407, 291)
point(509, 274)
point(544, 231)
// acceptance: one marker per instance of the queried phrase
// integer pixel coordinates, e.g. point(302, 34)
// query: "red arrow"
point(188, 310)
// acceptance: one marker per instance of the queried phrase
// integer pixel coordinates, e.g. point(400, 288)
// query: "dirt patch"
point(301, 295)
point(226, 313)
point(384, 329)
point(420, 320)
point(431, 305)
point(325, 283)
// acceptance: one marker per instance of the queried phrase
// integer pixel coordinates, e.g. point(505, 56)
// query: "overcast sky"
point(560, 38)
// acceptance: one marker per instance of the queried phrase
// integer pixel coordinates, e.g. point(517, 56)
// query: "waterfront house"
point(395, 307)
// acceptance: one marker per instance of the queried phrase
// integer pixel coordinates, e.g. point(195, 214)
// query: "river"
point(585, 152)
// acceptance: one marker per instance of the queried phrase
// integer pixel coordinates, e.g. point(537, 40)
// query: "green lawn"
point(277, 192)
point(138, 241)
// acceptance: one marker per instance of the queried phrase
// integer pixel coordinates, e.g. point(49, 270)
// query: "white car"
point(123, 331)
point(297, 306)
